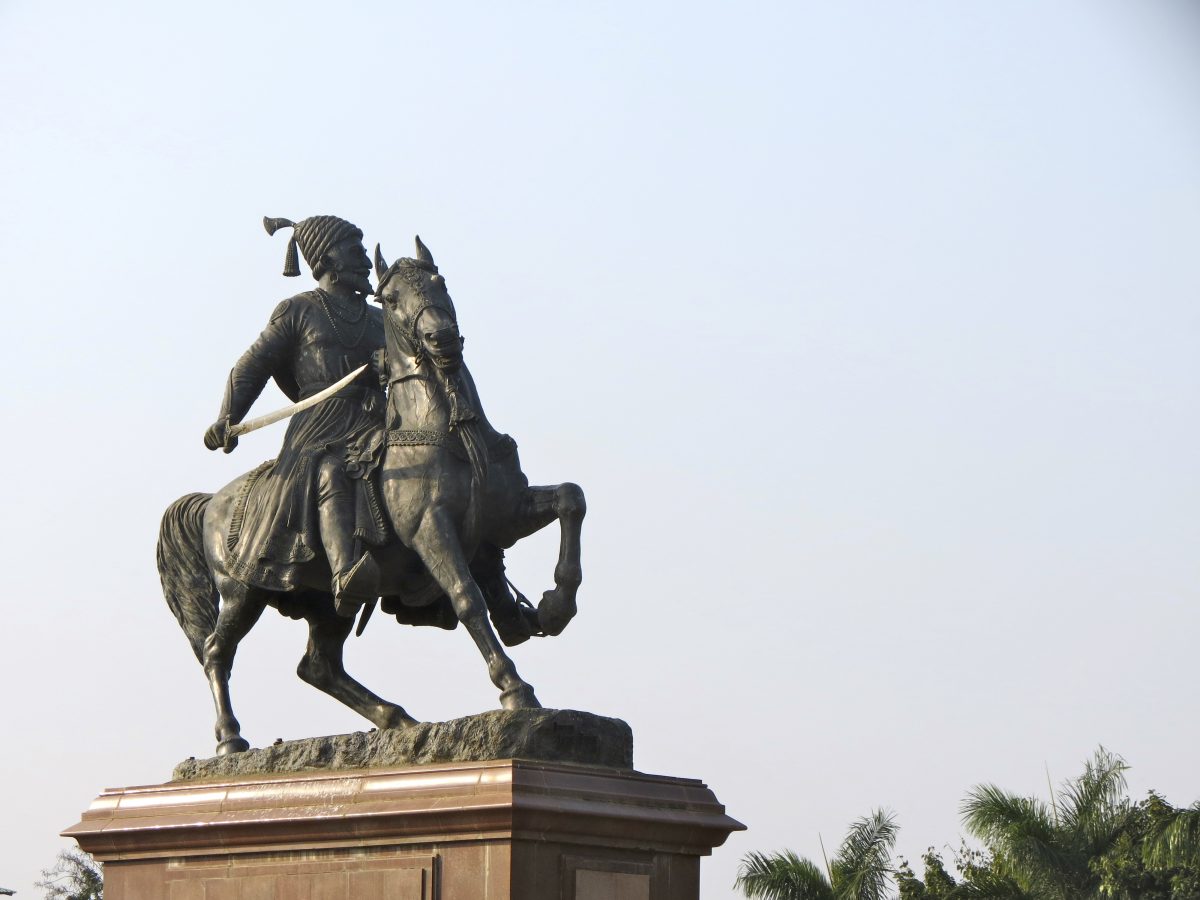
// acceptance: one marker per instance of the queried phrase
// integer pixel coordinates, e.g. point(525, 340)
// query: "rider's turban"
point(314, 235)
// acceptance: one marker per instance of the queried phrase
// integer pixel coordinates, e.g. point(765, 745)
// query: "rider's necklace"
point(333, 312)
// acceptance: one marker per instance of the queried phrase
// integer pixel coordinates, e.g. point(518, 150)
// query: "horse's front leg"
point(536, 508)
point(436, 541)
point(322, 667)
point(241, 608)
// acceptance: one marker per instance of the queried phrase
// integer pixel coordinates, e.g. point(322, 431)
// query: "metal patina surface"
point(394, 491)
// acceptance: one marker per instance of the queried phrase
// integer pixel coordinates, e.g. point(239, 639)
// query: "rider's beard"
point(358, 282)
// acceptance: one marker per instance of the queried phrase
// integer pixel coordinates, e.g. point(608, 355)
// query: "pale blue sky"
point(869, 329)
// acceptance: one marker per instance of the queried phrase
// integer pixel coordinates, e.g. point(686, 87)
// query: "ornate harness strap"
point(502, 447)
point(399, 437)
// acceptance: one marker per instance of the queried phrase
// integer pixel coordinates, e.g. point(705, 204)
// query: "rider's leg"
point(515, 621)
point(355, 574)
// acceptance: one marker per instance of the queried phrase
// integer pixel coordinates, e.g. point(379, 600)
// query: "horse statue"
point(451, 490)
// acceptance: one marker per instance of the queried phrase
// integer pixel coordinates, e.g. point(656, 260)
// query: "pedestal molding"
point(441, 803)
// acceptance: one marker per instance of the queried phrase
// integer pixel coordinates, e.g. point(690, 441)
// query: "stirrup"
point(357, 585)
point(528, 610)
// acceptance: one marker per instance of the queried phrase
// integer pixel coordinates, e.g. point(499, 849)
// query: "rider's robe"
point(306, 347)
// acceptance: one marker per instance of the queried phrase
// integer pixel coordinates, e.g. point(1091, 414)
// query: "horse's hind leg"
point(240, 610)
point(538, 507)
point(322, 667)
point(436, 541)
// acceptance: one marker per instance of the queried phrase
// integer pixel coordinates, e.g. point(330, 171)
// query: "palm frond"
point(781, 876)
point(825, 858)
point(1176, 840)
point(1095, 807)
point(1022, 835)
point(862, 867)
point(1053, 798)
point(997, 817)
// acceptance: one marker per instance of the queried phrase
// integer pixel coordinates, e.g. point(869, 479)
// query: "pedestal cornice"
point(463, 802)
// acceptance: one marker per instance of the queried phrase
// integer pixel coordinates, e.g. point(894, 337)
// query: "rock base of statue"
point(501, 829)
point(556, 735)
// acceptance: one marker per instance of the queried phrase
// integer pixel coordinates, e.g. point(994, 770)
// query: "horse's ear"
point(423, 253)
point(380, 265)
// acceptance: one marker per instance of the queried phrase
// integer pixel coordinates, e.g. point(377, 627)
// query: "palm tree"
point(860, 870)
point(1174, 839)
point(1047, 849)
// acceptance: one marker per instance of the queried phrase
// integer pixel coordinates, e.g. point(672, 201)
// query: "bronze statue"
point(408, 501)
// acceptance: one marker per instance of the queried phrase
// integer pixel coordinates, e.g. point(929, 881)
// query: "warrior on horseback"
point(415, 507)
point(311, 341)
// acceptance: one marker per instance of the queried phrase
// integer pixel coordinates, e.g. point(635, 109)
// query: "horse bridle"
point(418, 344)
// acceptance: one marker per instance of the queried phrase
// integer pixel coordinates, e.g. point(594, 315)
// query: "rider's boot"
point(356, 575)
point(355, 586)
point(514, 618)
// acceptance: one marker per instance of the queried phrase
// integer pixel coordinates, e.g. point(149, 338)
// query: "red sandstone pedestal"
point(501, 830)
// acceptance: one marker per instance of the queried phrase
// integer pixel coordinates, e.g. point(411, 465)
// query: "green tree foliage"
point(976, 871)
point(1048, 849)
point(75, 876)
point(1089, 841)
point(860, 870)
point(938, 885)
point(1157, 857)
point(1172, 835)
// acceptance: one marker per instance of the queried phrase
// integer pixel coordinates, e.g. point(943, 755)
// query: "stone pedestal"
point(500, 830)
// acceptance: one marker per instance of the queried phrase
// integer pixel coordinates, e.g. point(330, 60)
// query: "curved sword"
point(272, 418)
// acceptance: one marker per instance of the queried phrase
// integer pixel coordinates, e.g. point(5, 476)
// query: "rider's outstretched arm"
point(250, 373)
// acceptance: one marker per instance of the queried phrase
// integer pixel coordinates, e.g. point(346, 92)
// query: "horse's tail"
point(187, 584)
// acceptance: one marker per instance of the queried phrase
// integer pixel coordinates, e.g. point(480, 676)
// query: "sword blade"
point(306, 403)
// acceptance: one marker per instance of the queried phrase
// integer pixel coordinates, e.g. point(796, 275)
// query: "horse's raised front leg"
point(240, 610)
point(322, 667)
point(538, 507)
point(436, 542)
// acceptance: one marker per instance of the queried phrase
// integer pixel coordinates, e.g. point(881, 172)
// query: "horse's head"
point(419, 316)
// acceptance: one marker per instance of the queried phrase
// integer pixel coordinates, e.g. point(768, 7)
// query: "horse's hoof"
point(555, 611)
point(520, 698)
point(395, 718)
point(233, 745)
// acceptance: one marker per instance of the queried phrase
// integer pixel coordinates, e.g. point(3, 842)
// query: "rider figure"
point(306, 500)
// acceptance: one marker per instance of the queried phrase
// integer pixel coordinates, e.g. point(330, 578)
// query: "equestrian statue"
point(391, 489)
